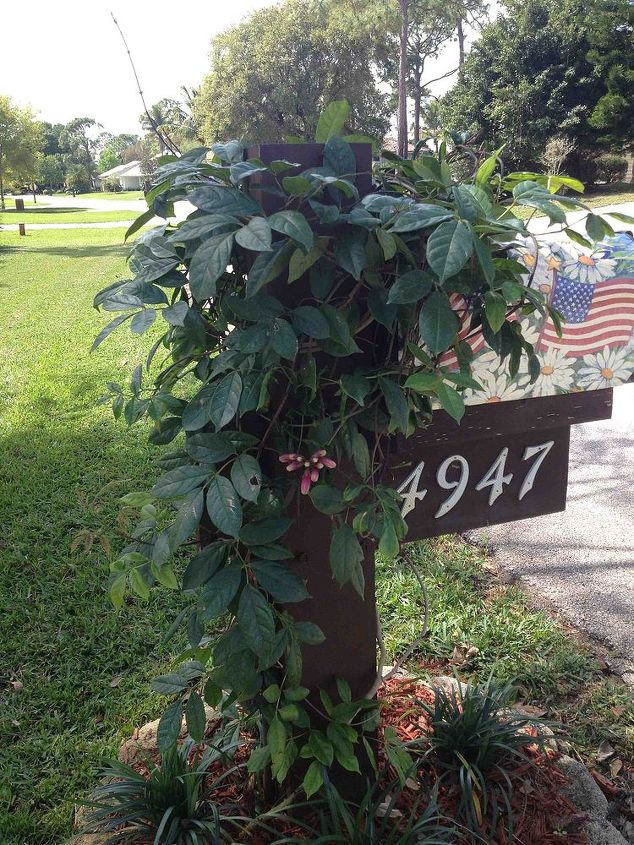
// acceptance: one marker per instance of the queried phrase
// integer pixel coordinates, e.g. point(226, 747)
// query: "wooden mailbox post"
point(505, 461)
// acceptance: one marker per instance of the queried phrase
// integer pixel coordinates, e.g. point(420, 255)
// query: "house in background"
point(127, 176)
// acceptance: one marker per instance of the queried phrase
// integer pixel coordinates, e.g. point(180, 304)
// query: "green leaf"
point(356, 386)
point(389, 545)
point(137, 500)
point(338, 156)
point(495, 310)
point(301, 262)
point(139, 584)
point(259, 759)
point(223, 506)
point(387, 242)
point(116, 590)
point(276, 736)
point(170, 684)
point(310, 321)
point(279, 581)
point(264, 530)
point(187, 519)
point(485, 259)
point(256, 235)
point(283, 339)
point(313, 779)
point(598, 228)
point(179, 481)
point(204, 565)
point(487, 169)
point(195, 717)
point(255, 620)
point(396, 402)
point(107, 330)
point(438, 322)
point(321, 747)
point(268, 266)
point(309, 633)
point(623, 218)
point(169, 727)
point(197, 227)
point(451, 401)
point(448, 248)
point(175, 315)
point(140, 221)
point(224, 401)
point(218, 199)
point(577, 238)
point(246, 476)
point(346, 556)
point(423, 382)
point(221, 590)
point(208, 264)
point(297, 186)
point(420, 216)
point(350, 252)
point(410, 287)
point(142, 321)
point(332, 120)
point(327, 499)
point(295, 226)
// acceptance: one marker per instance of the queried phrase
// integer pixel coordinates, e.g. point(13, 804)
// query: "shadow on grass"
point(88, 251)
point(60, 638)
point(45, 209)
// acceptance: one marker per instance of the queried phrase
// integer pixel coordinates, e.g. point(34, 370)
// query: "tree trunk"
point(418, 79)
point(402, 81)
point(460, 34)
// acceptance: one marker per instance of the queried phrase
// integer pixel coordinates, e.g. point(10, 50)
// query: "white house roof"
point(132, 168)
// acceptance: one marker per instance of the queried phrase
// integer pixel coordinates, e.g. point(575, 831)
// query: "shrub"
point(610, 167)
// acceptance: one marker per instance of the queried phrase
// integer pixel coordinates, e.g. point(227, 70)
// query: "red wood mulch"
point(537, 803)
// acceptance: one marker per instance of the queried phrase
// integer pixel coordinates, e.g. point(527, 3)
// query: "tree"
point(77, 140)
point(20, 138)
point(174, 119)
point(114, 149)
point(272, 74)
point(534, 73)
point(50, 172)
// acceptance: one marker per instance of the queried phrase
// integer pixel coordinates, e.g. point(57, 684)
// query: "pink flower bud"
point(328, 462)
point(314, 475)
point(319, 453)
point(306, 482)
point(294, 465)
point(288, 457)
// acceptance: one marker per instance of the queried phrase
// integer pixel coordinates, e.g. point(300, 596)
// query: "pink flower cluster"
point(311, 466)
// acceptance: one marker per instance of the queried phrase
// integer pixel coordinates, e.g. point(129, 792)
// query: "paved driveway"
point(583, 559)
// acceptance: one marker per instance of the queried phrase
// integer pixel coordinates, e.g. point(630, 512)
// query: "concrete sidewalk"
point(582, 560)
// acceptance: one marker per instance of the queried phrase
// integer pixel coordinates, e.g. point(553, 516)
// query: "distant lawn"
point(43, 214)
point(113, 195)
point(73, 680)
point(594, 197)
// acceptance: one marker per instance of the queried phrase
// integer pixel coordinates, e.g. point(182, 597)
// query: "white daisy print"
point(589, 269)
point(605, 369)
point(556, 373)
point(497, 386)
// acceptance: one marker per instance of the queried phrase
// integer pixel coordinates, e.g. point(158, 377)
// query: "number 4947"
point(495, 478)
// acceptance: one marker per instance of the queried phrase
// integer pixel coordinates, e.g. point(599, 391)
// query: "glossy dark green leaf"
point(313, 779)
point(255, 620)
point(171, 684)
point(221, 590)
point(223, 506)
point(195, 717)
point(297, 186)
point(283, 339)
point(198, 227)
point(268, 265)
point(350, 252)
point(397, 405)
point(310, 321)
point(208, 264)
point(255, 236)
point(300, 262)
point(264, 531)
point(423, 382)
point(309, 633)
point(295, 226)
point(332, 121)
point(223, 200)
point(179, 481)
point(339, 157)
point(346, 556)
point(204, 565)
point(187, 519)
point(327, 499)
point(103, 334)
point(495, 309)
point(448, 248)
point(410, 287)
point(438, 322)
point(279, 581)
point(246, 476)
point(224, 400)
point(420, 216)
point(169, 727)
point(451, 401)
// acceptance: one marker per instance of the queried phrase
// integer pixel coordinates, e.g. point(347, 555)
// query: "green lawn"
point(113, 195)
point(74, 674)
point(43, 214)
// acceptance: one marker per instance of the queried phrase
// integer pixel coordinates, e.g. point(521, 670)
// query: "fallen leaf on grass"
point(605, 752)
point(615, 767)
point(116, 681)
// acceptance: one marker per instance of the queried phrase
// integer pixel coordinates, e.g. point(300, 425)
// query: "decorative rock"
point(588, 798)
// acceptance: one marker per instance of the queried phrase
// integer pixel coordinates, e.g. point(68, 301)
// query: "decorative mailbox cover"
point(594, 292)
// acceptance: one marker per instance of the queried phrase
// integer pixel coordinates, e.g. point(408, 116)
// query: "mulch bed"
point(539, 808)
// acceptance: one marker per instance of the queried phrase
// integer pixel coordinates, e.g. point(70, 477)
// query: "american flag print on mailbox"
point(593, 290)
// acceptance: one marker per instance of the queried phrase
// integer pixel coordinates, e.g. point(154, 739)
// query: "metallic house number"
point(495, 478)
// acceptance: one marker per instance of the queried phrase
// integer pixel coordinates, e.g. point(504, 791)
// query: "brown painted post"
point(22, 228)
point(348, 622)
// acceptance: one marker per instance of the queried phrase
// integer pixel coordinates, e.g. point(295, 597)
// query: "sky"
point(66, 59)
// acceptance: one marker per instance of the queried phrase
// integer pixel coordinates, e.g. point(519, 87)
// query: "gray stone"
point(601, 832)
point(582, 789)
